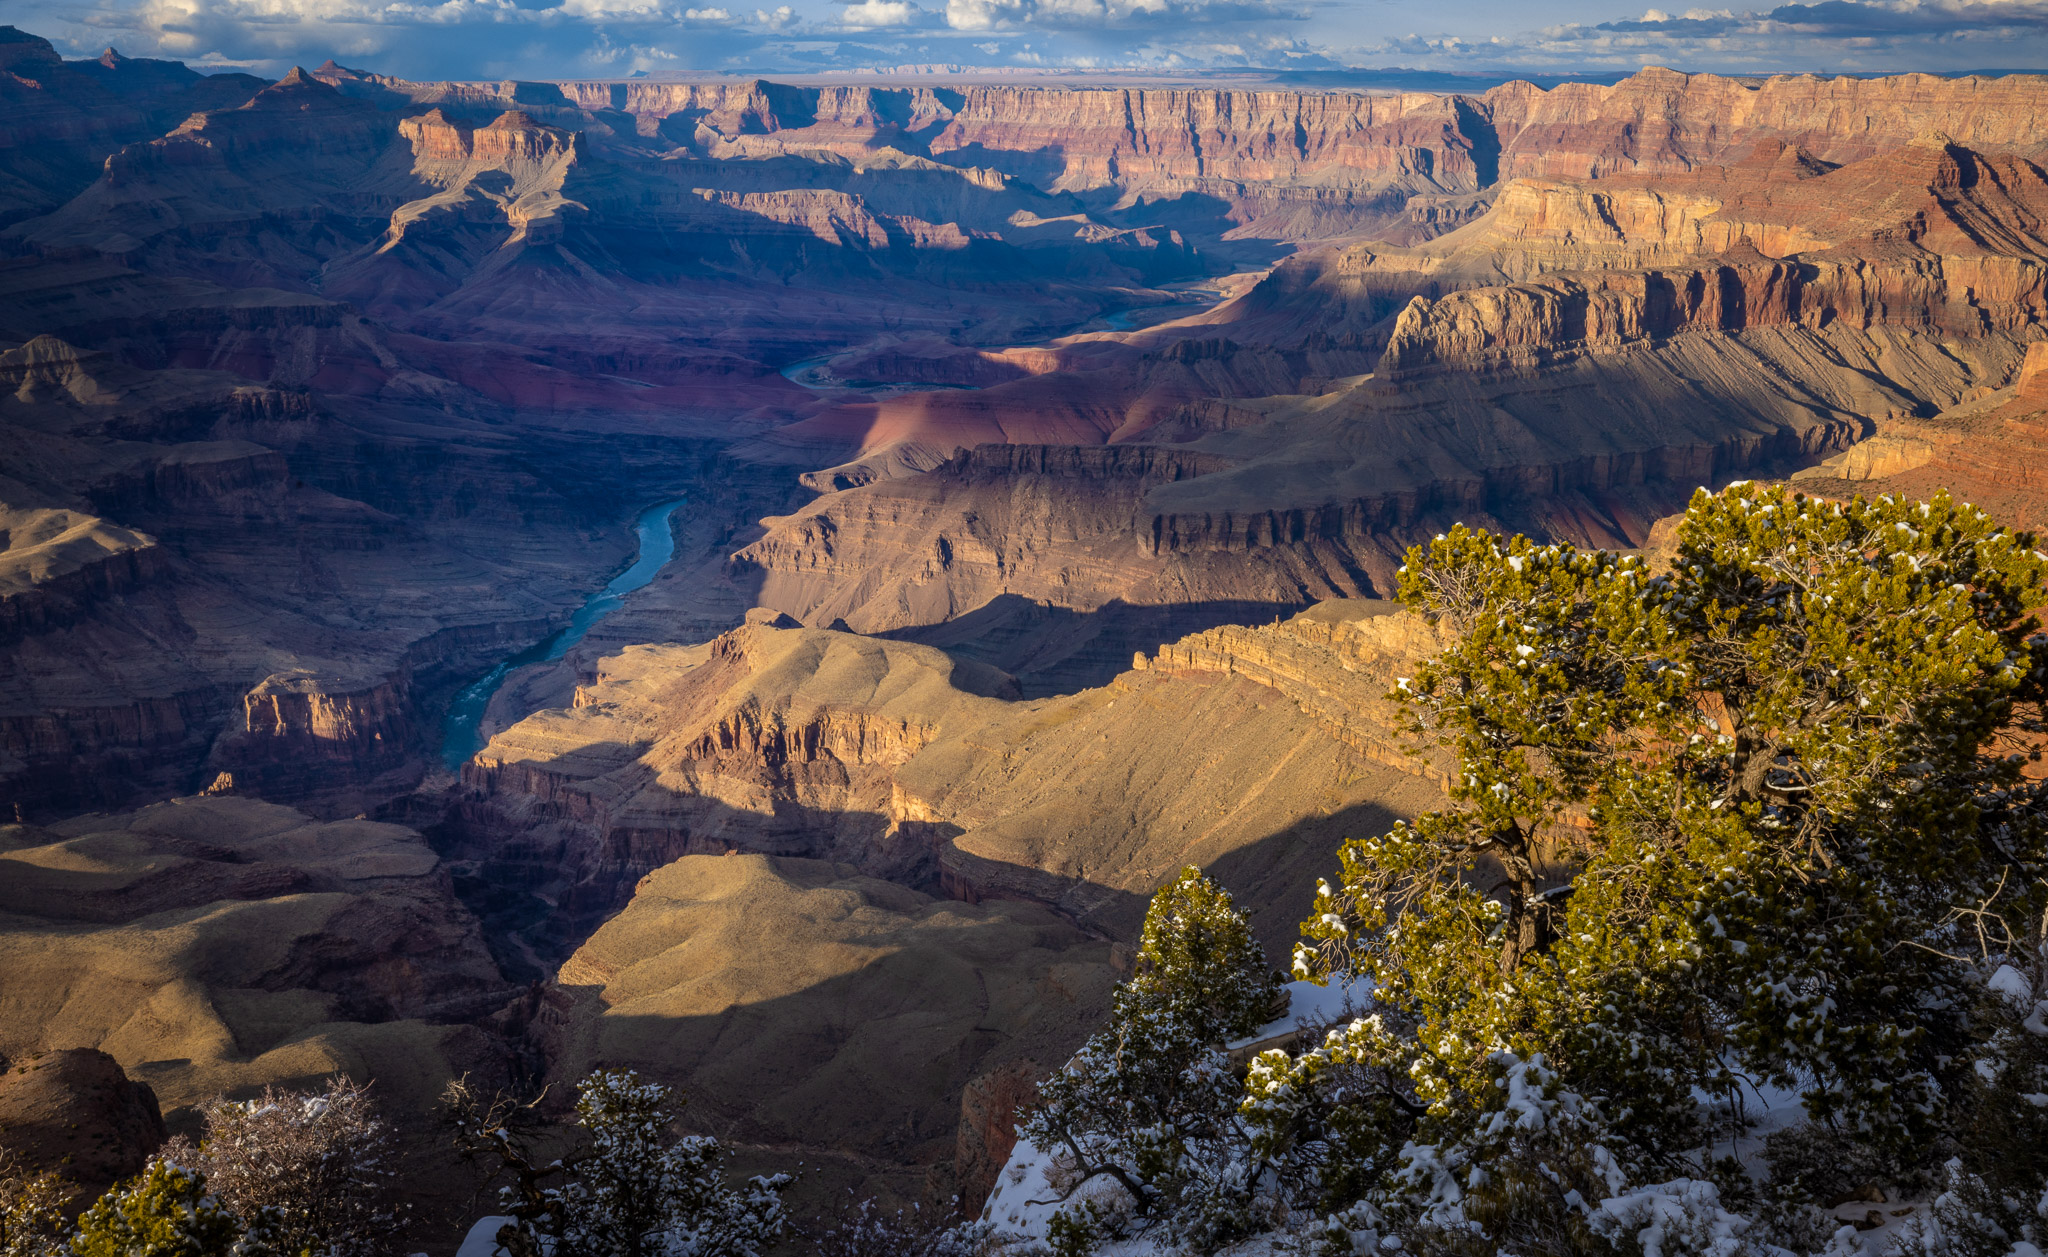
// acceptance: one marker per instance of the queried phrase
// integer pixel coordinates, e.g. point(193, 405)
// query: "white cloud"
point(1821, 35)
point(542, 39)
point(883, 13)
point(1009, 15)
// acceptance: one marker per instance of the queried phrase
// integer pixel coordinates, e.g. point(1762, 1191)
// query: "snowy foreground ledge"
point(1676, 1219)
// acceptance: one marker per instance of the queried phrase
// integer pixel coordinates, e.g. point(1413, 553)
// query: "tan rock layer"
point(1337, 670)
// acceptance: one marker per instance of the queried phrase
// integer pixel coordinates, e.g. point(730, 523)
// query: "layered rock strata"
point(802, 742)
point(213, 945)
point(689, 791)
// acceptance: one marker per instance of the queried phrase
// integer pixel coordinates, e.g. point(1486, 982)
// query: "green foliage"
point(1150, 1101)
point(1077, 1231)
point(1198, 955)
point(166, 1212)
point(1733, 815)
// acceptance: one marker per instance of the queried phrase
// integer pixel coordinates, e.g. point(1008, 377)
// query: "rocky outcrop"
point(781, 741)
point(215, 944)
point(55, 564)
point(301, 736)
point(991, 1108)
point(1338, 661)
point(76, 1113)
point(1083, 801)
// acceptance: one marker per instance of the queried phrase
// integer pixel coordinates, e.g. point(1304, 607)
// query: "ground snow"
point(482, 1239)
point(1023, 1202)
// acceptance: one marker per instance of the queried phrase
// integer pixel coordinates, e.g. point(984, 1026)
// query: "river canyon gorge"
point(759, 581)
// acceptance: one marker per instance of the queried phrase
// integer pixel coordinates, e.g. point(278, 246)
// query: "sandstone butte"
point(1046, 454)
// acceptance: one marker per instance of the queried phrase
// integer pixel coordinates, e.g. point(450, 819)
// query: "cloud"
point(877, 14)
point(423, 38)
point(1826, 36)
point(566, 38)
point(1003, 15)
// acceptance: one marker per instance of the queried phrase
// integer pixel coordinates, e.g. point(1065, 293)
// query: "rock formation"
point(75, 1113)
point(213, 945)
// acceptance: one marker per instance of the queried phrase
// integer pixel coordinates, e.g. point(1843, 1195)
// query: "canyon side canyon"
point(1045, 457)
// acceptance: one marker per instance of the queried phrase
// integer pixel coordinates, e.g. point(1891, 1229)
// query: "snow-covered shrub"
point(632, 1189)
point(320, 1167)
point(1150, 1102)
point(1523, 1172)
point(1682, 1218)
point(1970, 1218)
point(165, 1212)
point(2000, 1119)
point(863, 1230)
point(33, 1219)
point(1813, 1161)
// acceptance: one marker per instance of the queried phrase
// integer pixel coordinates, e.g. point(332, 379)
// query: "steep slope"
point(835, 1017)
point(809, 1004)
point(894, 758)
point(65, 117)
point(212, 945)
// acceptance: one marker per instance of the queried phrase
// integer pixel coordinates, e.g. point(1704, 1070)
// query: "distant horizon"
point(1367, 77)
point(1568, 40)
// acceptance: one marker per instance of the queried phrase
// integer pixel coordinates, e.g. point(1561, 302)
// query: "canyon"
point(1046, 459)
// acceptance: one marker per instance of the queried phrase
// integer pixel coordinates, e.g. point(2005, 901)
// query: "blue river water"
point(462, 733)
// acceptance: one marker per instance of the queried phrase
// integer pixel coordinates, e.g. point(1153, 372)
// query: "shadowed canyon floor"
point(1046, 457)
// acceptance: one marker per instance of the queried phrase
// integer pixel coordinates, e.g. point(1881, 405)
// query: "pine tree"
point(1198, 955)
point(1730, 816)
point(166, 1212)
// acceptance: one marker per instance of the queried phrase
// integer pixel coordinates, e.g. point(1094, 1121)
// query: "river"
point(462, 732)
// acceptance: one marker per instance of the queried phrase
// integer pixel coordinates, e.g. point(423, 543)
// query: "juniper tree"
point(1732, 815)
point(1149, 1101)
point(1197, 955)
point(165, 1212)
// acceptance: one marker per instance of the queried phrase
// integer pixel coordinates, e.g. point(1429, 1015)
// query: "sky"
point(541, 39)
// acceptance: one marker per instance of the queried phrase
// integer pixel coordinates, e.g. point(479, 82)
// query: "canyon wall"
point(1662, 120)
point(685, 798)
